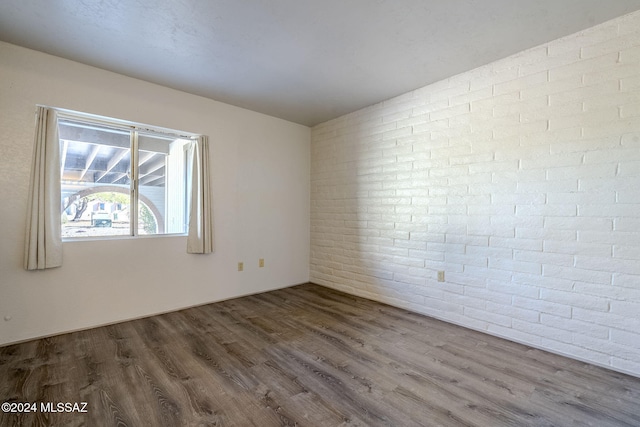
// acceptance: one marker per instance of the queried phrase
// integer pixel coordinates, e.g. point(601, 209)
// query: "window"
point(121, 179)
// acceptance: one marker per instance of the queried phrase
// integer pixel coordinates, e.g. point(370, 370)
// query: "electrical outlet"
point(440, 276)
point(240, 266)
point(261, 262)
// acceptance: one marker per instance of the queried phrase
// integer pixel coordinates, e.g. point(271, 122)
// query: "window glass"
point(103, 195)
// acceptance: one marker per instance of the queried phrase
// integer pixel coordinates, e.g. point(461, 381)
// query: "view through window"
point(120, 180)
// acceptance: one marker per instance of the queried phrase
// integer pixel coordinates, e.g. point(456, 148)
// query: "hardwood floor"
point(306, 356)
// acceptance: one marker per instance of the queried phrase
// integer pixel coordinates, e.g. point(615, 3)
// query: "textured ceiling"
point(300, 60)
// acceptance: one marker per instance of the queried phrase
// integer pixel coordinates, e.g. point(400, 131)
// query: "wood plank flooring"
point(306, 356)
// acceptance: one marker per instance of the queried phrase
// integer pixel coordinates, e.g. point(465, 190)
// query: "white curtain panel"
point(43, 241)
point(200, 238)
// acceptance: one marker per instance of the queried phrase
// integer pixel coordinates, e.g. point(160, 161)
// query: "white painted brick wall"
point(519, 179)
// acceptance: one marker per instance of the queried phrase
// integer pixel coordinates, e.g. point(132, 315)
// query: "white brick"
point(516, 243)
point(627, 224)
point(579, 223)
point(581, 67)
point(574, 325)
point(628, 281)
point(606, 346)
point(513, 288)
point(626, 338)
point(513, 312)
point(542, 330)
point(520, 83)
point(543, 258)
point(612, 320)
point(630, 55)
point(621, 238)
point(487, 295)
point(552, 88)
point(629, 196)
point(516, 108)
point(626, 308)
point(573, 299)
point(631, 139)
point(476, 95)
point(630, 83)
point(542, 306)
point(575, 349)
point(551, 62)
point(565, 185)
point(614, 291)
point(488, 317)
point(547, 210)
point(583, 92)
point(589, 276)
point(543, 281)
point(577, 248)
point(616, 72)
point(617, 210)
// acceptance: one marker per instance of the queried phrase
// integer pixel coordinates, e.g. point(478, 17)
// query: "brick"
point(602, 117)
point(574, 325)
point(628, 266)
point(584, 92)
point(491, 74)
point(626, 252)
point(516, 243)
point(577, 248)
point(627, 224)
point(630, 139)
point(626, 338)
point(467, 98)
point(547, 210)
point(603, 198)
point(630, 55)
point(575, 349)
point(583, 66)
point(551, 88)
point(574, 299)
point(488, 317)
point(542, 330)
point(630, 83)
point(565, 185)
point(583, 275)
point(613, 210)
point(613, 291)
point(520, 83)
point(612, 320)
point(605, 346)
point(555, 60)
point(618, 237)
point(579, 223)
point(614, 45)
point(543, 257)
point(513, 312)
point(614, 73)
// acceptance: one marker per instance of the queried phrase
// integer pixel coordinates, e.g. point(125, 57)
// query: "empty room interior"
point(401, 213)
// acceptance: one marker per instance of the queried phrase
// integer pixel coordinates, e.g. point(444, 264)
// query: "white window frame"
point(134, 129)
